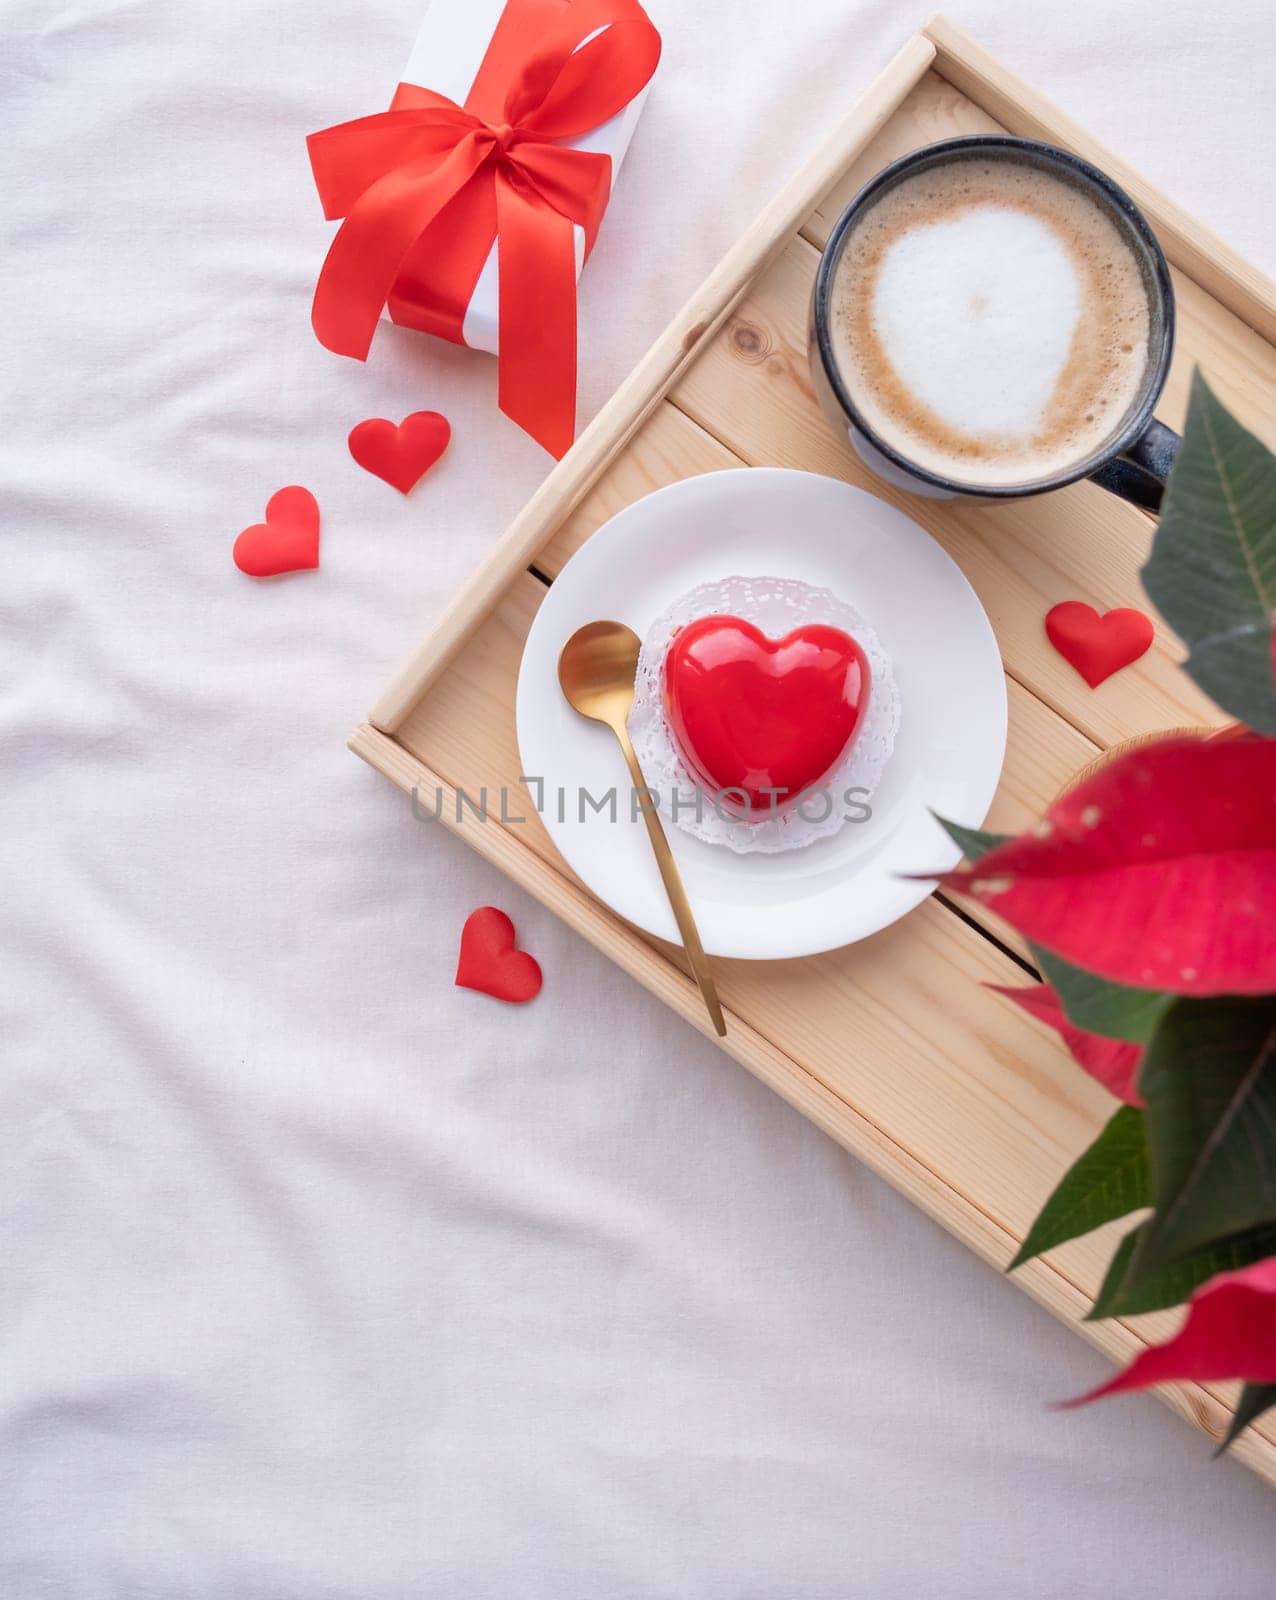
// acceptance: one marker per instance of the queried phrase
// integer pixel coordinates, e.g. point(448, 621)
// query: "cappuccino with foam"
point(991, 321)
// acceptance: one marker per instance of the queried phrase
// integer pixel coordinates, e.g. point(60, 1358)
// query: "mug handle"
point(1138, 474)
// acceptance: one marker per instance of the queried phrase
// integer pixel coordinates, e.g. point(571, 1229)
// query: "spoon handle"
point(673, 888)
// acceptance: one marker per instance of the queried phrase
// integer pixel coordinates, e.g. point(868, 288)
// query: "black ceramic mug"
point(1134, 460)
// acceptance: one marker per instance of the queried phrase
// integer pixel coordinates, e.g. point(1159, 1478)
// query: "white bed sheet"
point(321, 1278)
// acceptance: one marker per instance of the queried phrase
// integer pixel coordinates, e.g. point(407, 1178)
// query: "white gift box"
point(446, 57)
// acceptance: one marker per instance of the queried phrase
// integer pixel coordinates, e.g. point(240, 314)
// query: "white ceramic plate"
point(947, 758)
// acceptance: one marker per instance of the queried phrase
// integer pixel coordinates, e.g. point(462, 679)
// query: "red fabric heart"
point(1097, 646)
point(400, 455)
point(288, 540)
point(767, 718)
point(490, 963)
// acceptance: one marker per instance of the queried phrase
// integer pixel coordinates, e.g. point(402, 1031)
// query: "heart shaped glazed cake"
point(760, 722)
point(764, 713)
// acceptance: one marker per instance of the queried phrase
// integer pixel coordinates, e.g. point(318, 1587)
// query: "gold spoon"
point(596, 669)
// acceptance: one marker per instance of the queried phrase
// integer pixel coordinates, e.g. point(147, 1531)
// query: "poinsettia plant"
point(1148, 895)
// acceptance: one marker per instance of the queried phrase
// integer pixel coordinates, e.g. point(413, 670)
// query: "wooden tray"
point(891, 1046)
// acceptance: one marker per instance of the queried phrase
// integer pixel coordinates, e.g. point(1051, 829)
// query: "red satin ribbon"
point(427, 186)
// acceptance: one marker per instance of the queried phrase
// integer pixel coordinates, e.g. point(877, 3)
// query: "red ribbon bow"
point(426, 187)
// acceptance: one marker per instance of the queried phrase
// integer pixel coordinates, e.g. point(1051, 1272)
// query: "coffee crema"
point(991, 322)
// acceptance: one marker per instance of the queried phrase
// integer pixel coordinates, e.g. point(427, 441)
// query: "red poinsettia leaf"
point(1158, 871)
point(1113, 1062)
point(1230, 1332)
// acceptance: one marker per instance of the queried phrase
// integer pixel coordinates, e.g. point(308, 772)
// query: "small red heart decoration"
point(400, 455)
point(288, 540)
point(490, 963)
point(760, 715)
point(1097, 646)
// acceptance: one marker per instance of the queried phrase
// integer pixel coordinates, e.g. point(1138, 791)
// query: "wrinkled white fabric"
point(321, 1278)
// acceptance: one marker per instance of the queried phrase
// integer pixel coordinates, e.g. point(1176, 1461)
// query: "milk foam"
point(991, 321)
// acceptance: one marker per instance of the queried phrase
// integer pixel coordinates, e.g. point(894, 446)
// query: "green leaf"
point(1255, 1399)
point(1170, 1286)
point(1209, 1080)
point(972, 842)
point(1212, 571)
point(1100, 1006)
point(1110, 1180)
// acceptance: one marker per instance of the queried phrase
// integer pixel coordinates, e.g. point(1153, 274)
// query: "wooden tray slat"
point(893, 1046)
